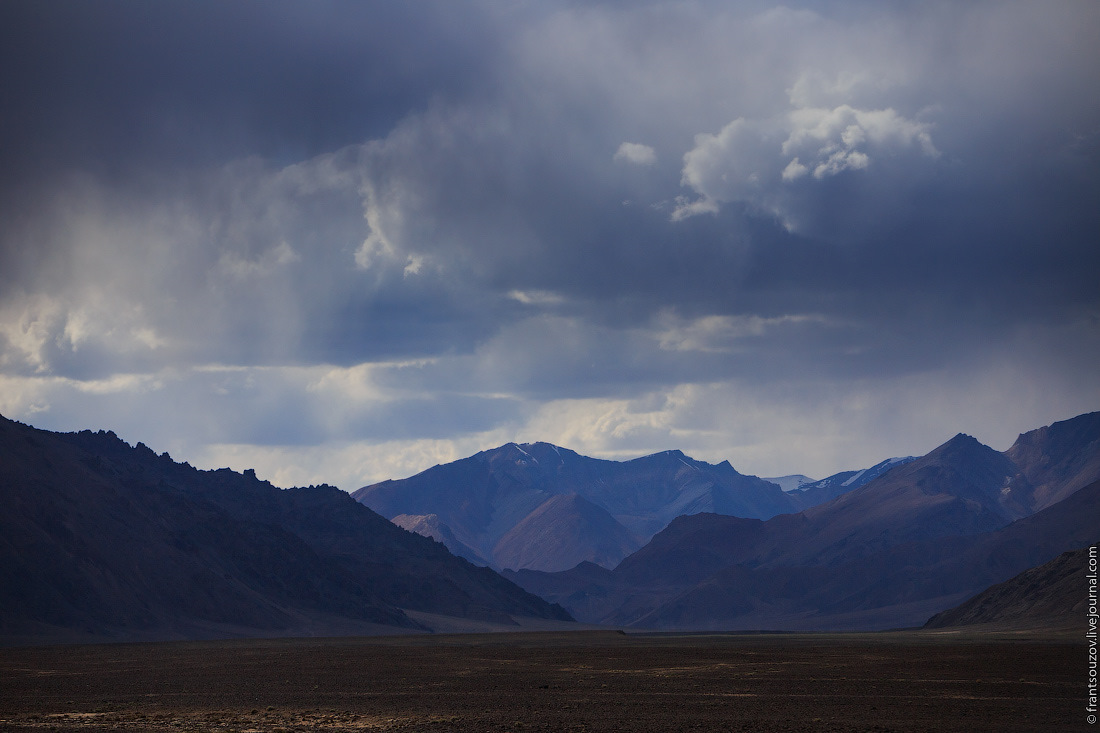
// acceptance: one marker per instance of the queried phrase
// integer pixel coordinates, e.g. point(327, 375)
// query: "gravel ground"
point(579, 681)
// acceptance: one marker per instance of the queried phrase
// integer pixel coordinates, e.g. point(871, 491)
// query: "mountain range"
point(100, 540)
point(917, 539)
point(541, 507)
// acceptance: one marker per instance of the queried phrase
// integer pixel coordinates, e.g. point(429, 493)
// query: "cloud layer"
point(343, 241)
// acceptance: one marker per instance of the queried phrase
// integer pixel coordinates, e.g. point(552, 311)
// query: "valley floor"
point(554, 681)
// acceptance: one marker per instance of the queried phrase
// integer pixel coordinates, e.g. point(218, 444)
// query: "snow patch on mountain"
point(791, 483)
point(855, 477)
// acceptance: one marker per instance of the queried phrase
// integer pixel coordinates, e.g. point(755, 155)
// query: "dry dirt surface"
point(578, 681)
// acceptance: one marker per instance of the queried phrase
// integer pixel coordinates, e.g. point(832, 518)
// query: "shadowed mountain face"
point(563, 531)
point(1059, 459)
point(919, 539)
point(428, 525)
point(506, 503)
point(102, 540)
point(960, 488)
point(1052, 595)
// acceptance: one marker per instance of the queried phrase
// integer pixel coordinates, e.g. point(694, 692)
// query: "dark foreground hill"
point(1051, 596)
point(919, 539)
point(102, 540)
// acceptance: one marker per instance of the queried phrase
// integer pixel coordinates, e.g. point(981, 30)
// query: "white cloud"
point(721, 334)
point(414, 264)
point(755, 161)
point(794, 170)
point(685, 207)
point(837, 138)
point(381, 219)
point(266, 263)
point(38, 331)
point(812, 427)
point(542, 298)
point(636, 153)
point(28, 326)
point(736, 164)
point(809, 423)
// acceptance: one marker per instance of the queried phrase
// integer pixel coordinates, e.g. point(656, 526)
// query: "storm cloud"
point(343, 241)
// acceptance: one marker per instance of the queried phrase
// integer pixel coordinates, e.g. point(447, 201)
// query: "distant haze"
point(343, 242)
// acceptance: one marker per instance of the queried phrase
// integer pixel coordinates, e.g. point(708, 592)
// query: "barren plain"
point(575, 681)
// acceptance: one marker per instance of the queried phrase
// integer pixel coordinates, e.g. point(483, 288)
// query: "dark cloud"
point(113, 83)
point(619, 224)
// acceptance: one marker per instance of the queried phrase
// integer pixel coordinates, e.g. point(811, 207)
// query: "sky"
point(340, 242)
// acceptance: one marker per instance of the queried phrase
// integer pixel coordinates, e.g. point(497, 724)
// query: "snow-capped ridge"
point(794, 482)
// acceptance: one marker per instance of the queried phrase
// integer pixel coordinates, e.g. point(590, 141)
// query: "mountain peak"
point(963, 468)
point(1060, 458)
point(964, 455)
point(564, 530)
point(961, 447)
point(519, 453)
point(530, 451)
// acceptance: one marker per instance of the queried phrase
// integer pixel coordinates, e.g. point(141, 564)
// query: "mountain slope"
point(563, 531)
point(813, 493)
point(960, 488)
point(1049, 596)
point(899, 586)
point(920, 538)
point(105, 540)
point(428, 525)
point(647, 493)
point(1059, 459)
point(483, 498)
